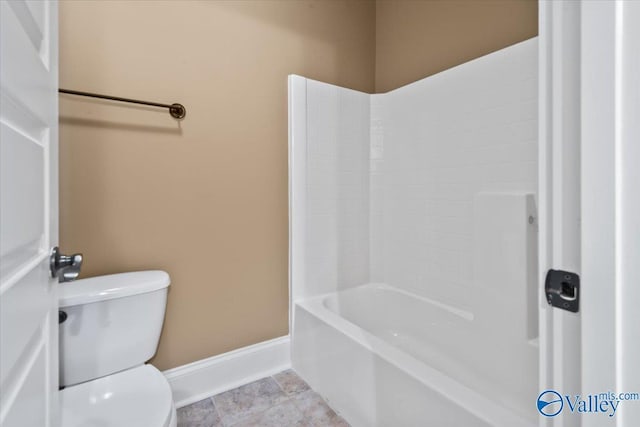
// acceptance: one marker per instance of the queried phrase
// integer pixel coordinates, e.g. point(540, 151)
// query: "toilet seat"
point(137, 397)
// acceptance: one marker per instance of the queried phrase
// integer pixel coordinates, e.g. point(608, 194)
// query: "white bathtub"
point(385, 357)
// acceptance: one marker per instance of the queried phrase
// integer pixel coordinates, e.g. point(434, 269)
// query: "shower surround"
point(413, 246)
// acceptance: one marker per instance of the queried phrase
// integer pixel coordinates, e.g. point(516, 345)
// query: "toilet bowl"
point(110, 326)
point(136, 397)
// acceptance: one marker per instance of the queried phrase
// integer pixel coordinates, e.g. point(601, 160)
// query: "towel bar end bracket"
point(177, 111)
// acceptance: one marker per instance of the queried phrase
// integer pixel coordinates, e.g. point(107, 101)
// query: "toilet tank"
point(112, 323)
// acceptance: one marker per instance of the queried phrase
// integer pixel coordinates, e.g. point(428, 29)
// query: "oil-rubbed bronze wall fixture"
point(176, 110)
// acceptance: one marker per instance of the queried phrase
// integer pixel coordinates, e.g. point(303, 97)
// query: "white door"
point(610, 178)
point(590, 210)
point(28, 213)
point(559, 203)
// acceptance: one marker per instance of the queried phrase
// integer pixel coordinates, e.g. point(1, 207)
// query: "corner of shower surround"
point(413, 245)
point(329, 187)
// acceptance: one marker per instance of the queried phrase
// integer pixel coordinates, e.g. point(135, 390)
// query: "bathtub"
point(385, 357)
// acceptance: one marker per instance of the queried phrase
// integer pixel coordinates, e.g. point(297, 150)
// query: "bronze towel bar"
point(176, 110)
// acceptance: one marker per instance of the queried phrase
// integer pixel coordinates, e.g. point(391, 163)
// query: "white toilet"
point(110, 328)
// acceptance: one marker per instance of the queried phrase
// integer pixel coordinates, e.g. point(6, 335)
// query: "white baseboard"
point(207, 377)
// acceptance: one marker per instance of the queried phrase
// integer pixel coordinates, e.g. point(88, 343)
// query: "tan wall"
point(415, 39)
point(205, 198)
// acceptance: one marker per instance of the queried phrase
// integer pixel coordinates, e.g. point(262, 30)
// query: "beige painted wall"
point(206, 198)
point(415, 39)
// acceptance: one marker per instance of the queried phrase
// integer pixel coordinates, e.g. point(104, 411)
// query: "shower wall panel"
point(435, 145)
point(330, 166)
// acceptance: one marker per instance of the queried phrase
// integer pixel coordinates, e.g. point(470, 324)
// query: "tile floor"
point(282, 400)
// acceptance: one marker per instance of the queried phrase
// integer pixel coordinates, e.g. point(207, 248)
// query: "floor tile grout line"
point(222, 419)
point(235, 422)
point(293, 398)
point(312, 391)
point(298, 404)
point(293, 393)
point(215, 408)
point(288, 399)
point(280, 385)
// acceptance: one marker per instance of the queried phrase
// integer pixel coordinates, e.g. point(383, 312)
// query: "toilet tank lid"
point(101, 288)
